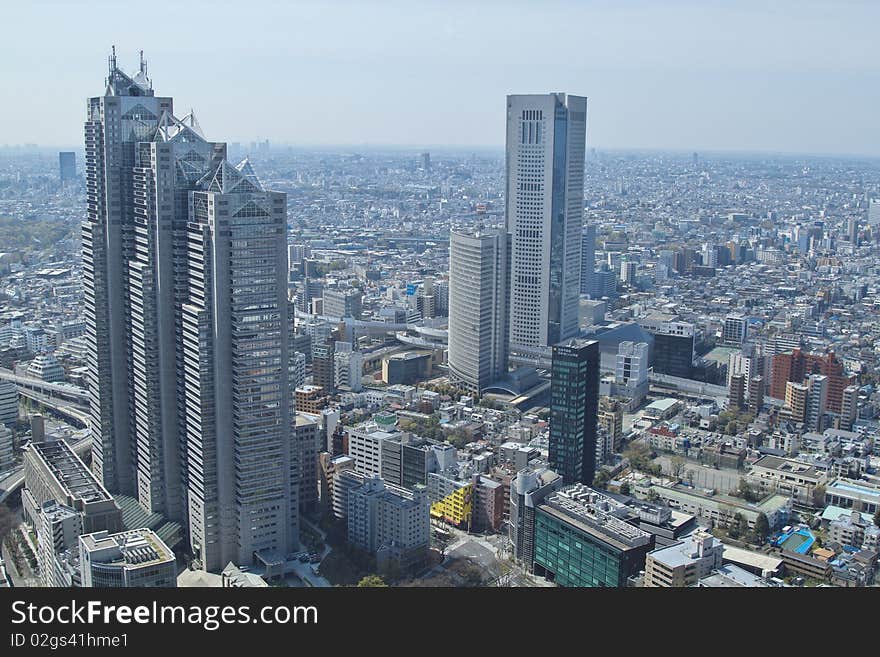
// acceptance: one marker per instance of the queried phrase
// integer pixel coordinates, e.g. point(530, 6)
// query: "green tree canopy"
point(371, 581)
point(762, 528)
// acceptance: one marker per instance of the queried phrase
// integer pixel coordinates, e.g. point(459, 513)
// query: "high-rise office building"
point(852, 230)
point(588, 259)
point(574, 408)
point(8, 402)
point(67, 167)
point(628, 271)
point(546, 138)
point(478, 320)
point(342, 303)
point(185, 261)
point(874, 212)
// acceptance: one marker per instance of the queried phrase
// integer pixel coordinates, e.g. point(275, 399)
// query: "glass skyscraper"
point(574, 410)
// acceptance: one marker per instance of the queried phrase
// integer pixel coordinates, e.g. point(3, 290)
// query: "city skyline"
point(232, 364)
point(658, 78)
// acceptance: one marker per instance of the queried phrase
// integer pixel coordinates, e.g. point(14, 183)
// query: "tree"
point(676, 465)
point(739, 527)
point(762, 528)
point(747, 492)
point(624, 488)
point(819, 496)
point(600, 479)
point(371, 581)
point(7, 520)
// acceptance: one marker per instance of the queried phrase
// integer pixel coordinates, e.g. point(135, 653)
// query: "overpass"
point(56, 390)
point(76, 414)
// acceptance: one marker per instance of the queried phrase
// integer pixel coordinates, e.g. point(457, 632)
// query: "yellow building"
point(456, 507)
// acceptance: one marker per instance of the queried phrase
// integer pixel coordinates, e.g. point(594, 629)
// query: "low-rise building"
point(685, 563)
point(721, 509)
point(772, 474)
point(53, 471)
point(130, 559)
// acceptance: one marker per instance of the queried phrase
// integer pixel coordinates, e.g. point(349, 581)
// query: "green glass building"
point(580, 544)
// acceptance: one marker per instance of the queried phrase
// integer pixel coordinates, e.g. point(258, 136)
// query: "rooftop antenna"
point(112, 59)
point(143, 64)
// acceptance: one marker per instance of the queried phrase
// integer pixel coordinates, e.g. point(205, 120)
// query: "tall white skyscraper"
point(479, 281)
point(546, 139)
point(185, 261)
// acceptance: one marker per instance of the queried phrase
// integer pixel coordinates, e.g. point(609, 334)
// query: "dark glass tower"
point(574, 408)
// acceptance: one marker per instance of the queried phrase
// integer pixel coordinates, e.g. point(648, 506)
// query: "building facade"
point(574, 408)
point(546, 141)
point(479, 287)
point(185, 261)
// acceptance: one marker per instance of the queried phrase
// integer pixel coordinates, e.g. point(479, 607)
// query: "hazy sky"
point(799, 76)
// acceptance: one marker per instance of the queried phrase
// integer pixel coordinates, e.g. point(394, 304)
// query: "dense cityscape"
point(250, 364)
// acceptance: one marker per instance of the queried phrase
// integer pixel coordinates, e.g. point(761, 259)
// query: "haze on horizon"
point(796, 77)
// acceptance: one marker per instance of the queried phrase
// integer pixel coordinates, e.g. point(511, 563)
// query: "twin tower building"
point(184, 262)
point(518, 287)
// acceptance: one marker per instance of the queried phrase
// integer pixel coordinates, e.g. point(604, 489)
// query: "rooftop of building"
point(69, 470)
point(852, 488)
point(594, 513)
point(686, 551)
point(769, 504)
point(755, 560)
point(787, 466)
point(732, 576)
point(137, 548)
point(304, 419)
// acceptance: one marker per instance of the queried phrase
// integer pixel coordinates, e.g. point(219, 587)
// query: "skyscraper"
point(574, 409)
point(588, 259)
point(479, 281)
point(546, 138)
point(186, 307)
point(67, 167)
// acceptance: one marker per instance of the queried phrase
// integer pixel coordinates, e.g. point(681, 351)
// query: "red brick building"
point(797, 365)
